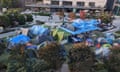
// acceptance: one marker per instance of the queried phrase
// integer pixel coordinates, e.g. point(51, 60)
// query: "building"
point(69, 5)
point(116, 7)
point(110, 5)
point(22, 3)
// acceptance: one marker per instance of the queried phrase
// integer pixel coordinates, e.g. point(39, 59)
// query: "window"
point(92, 4)
point(118, 1)
point(67, 3)
point(55, 2)
point(80, 3)
point(39, 0)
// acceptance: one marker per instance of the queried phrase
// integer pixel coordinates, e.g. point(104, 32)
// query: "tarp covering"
point(19, 39)
point(78, 23)
point(37, 30)
point(93, 21)
point(82, 26)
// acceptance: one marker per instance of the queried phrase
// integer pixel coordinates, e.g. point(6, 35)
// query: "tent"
point(107, 45)
point(37, 30)
point(19, 39)
point(103, 52)
point(110, 36)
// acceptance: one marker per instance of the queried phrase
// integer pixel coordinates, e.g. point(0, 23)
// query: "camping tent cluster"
point(37, 33)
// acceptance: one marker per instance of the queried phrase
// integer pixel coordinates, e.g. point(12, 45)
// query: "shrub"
point(72, 15)
point(4, 21)
point(42, 14)
point(113, 64)
point(21, 19)
point(29, 17)
point(105, 18)
point(20, 61)
point(81, 58)
point(15, 17)
point(2, 46)
point(117, 32)
point(53, 54)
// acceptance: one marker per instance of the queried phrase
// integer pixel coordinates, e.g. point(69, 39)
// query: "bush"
point(4, 21)
point(42, 14)
point(2, 46)
point(105, 18)
point(53, 54)
point(29, 17)
point(40, 22)
point(72, 15)
point(117, 32)
point(21, 19)
point(113, 64)
point(81, 58)
point(15, 17)
point(20, 61)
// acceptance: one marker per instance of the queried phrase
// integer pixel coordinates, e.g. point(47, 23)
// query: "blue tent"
point(37, 30)
point(20, 39)
point(110, 37)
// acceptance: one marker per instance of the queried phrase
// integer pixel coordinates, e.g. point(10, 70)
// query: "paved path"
point(65, 68)
point(8, 34)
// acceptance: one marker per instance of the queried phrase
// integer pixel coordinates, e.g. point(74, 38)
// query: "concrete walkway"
point(65, 68)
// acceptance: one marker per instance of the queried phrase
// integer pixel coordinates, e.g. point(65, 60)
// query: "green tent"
point(107, 45)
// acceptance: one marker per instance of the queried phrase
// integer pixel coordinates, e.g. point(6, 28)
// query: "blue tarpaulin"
point(93, 21)
point(82, 26)
point(20, 39)
point(78, 23)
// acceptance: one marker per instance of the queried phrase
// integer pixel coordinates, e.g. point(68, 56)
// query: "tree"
point(29, 17)
point(80, 58)
point(9, 3)
point(21, 19)
point(54, 54)
point(4, 21)
point(20, 61)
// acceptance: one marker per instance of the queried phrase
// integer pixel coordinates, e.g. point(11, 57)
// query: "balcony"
point(117, 2)
point(54, 2)
point(63, 6)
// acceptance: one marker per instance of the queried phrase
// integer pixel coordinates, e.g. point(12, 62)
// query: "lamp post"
point(62, 11)
point(63, 14)
point(117, 13)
